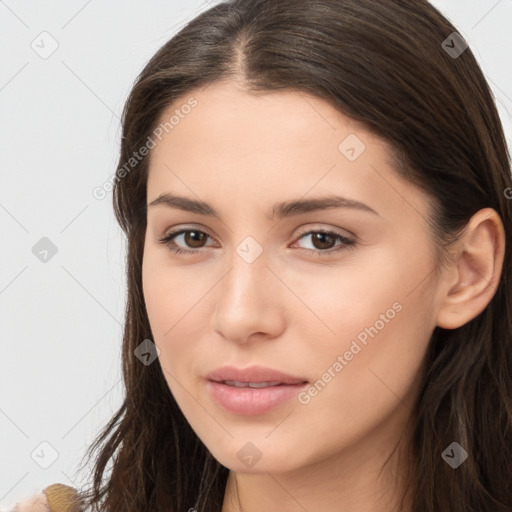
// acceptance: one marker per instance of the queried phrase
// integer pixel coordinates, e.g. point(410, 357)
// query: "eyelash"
point(347, 243)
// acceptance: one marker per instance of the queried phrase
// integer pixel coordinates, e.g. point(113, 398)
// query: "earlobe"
point(477, 268)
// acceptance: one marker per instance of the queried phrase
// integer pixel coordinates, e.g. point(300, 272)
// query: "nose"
point(249, 304)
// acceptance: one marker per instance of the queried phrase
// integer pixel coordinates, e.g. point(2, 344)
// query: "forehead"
point(229, 115)
point(261, 131)
point(266, 145)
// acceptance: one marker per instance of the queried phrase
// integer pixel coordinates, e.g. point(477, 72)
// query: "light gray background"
point(61, 321)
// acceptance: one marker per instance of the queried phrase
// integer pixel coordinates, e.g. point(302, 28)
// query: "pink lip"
point(253, 374)
point(252, 401)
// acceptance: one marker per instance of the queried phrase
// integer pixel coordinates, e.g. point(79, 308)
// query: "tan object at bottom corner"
point(62, 498)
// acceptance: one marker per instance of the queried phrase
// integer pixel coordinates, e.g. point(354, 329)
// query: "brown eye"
point(190, 241)
point(323, 240)
point(194, 239)
point(324, 243)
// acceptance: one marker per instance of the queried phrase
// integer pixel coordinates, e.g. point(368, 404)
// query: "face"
point(343, 297)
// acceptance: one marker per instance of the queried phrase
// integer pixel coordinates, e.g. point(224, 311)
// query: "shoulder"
point(54, 498)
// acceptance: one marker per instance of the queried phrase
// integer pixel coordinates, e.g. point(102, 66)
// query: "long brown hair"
point(384, 63)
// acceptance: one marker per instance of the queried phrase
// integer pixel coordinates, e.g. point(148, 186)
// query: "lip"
point(253, 374)
point(252, 401)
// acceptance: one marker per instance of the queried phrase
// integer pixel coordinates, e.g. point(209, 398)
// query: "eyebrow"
point(277, 212)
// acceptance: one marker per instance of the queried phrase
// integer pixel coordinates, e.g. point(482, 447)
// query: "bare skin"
point(292, 309)
point(37, 503)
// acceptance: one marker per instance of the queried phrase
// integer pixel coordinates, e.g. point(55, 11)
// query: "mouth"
point(254, 376)
point(252, 391)
point(252, 398)
point(256, 385)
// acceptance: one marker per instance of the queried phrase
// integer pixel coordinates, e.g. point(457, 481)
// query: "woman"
point(315, 197)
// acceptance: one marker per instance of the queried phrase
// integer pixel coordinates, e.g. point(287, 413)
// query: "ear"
point(475, 272)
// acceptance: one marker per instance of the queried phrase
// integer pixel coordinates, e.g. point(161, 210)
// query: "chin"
point(257, 456)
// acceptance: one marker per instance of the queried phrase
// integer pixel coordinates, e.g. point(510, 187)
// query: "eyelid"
point(186, 227)
point(345, 233)
point(307, 230)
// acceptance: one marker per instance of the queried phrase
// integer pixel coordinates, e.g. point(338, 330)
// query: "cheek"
point(375, 330)
point(338, 302)
point(176, 303)
point(363, 296)
point(376, 310)
point(170, 293)
point(363, 384)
